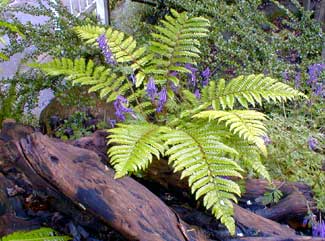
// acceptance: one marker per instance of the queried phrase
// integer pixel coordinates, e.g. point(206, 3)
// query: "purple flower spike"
point(312, 143)
point(173, 73)
point(112, 123)
point(197, 94)
point(133, 79)
point(174, 87)
point(192, 76)
point(267, 140)
point(206, 74)
point(162, 99)
point(285, 76)
point(298, 80)
point(120, 109)
point(106, 51)
point(318, 229)
point(151, 89)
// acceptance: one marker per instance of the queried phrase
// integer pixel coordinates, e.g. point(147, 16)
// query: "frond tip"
point(246, 90)
point(200, 155)
point(247, 124)
point(135, 146)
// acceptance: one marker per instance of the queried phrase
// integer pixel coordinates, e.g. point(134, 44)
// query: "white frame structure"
point(78, 7)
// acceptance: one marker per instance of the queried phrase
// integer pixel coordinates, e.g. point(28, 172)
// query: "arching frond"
point(249, 156)
point(246, 90)
point(198, 153)
point(134, 147)
point(176, 43)
point(247, 124)
point(124, 48)
point(100, 78)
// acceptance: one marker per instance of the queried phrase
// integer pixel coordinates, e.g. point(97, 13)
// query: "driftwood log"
point(77, 175)
point(123, 204)
point(298, 196)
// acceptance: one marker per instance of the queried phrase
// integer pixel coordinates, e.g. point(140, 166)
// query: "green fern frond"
point(100, 78)
point(42, 234)
point(246, 90)
point(247, 124)
point(134, 147)
point(89, 33)
point(176, 42)
point(124, 48)
point(198, 153)
point(249, 156)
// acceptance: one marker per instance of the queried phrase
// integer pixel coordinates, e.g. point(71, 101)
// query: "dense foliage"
point(203, 126)
point(257, 37)
point(54, 37)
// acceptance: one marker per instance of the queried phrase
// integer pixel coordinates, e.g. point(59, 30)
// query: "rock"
point(54, 114)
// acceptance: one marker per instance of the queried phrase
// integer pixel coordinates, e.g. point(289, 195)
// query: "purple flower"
point(106, 51)
point(120, 109)
point(192, 76)
point(298, 80)
point(314, 72)
point(206, 74)
point(132, 78)
point(173, 73)
point(319, 89)
point(151, 89)
point(285, 76)
point(318, 230)
point(312, 143)
point(174, 87)
point(197, 94)
point(267, 140)
point(314, 82)
point(112, 123)
point(162, 99)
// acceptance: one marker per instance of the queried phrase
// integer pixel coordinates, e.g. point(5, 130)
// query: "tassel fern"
point(42, 234)
point(208, 153)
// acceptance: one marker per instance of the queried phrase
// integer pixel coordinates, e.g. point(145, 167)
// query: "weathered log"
point(124, 204)
point(279, 238)
point(248, 219)
point(255, 188)
point(64, 214)
point(12, 215)
point(292, 206)
point(160, 172)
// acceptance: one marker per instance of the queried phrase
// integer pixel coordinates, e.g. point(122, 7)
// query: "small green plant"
point(297, 153)
point(74, 127)
point(272, 196)
point(42, 234)
point(203, 126)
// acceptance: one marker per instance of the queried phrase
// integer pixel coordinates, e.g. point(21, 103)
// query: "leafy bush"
point(203, 126)
point(297, 153)
point(247, 37)
point(54, 38)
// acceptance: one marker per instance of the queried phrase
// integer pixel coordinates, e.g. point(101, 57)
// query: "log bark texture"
point(160, 172)
point(124, 204)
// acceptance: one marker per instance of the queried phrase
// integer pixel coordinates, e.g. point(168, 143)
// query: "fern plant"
point(42, 234)
point(206, 131)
